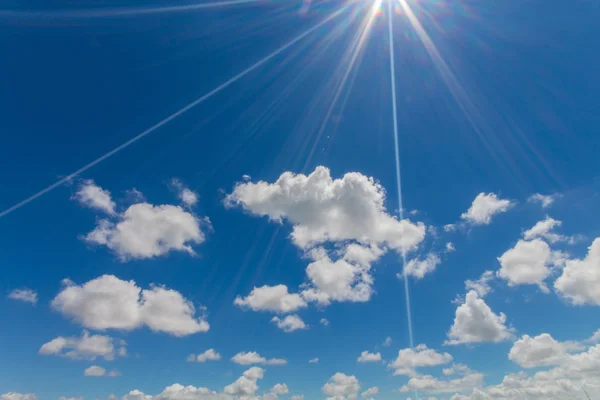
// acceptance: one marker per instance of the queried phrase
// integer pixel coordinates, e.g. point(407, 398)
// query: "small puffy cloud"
point(387, 342)
point(366, 357)
point(252, 357)
point(181, 392)
point(92, 196)
point(418, 268)
point(461, 369)
point(431, 384)
point(595, 338)
point(543, 229)
point(290, 323)
point(18, 396)
point(322, 209)
point(108, 302)
point(271, 298)
point(481, 285)
point(370, 392)
point(86, 347)
point(341, 386)
point(580, 279)
point(324, 322)
point(541, 350)
point(136, 395)
point(26, 295)
point(313, 361)
point(450, 227)
point(544, 200)
point(94, 370)
point(187, 197)
point(450, 247)
point(208, 355)
point(475, 322)
point(246, 384)
point(280, 388)
point(484, 207)
point(408, 359)
point(145, 231)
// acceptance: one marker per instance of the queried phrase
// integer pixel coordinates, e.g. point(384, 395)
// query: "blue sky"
point(239, 239)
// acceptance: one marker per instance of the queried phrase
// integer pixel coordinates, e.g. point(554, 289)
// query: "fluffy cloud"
point(528, 263)
point(86, 347)
point(541, 350)
point(26, 295)
point(580, 279)
point(93, 196)
point(246, 384)
point(543, 229)
point(544, 200)
point(324, 322)
point(484, 207)
point(313, 361)
point(418, 268)
point(475, 322)
point(271, 298)
point(187, 197)
point(145, 231)
point(421, 356)
point(18, 396)
point(108, 302)
point(252, 357)
point(136, 395)
point(341, 386)
point(430, 384)
point(95, 370)
point(208, 355)
point(322, 209)
point(481, 285)
point(290, 323)
point(370, 392)
point(595, 338)
point(280, 388)
point(366, 357)
point(456, 369)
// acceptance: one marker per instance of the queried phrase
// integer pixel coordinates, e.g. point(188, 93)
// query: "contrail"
point(177, 113)
point(119, 12)
point(398, 180)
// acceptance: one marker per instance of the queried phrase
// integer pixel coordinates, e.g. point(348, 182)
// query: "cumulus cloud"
point(461, 369)
point(322, 209)
point(108, 302)
point(324, 322)
point(544, 200)
point(366, 357)
point(475, 322)
point(481, 285)
point(370, 392)
point(246, 384)
point(595, 338)
point(85, 347)
point(418, 268)
point(271, 298)
point(580, 279)
point(208, 355)
point(290, 323)
point(528, 263)
point(26, 295)
point(541, 350)
point(252, 357)
point(187, 196)
point(18, 396)
point(341, 386)
point(95, 370)
point(93, 196)
point(408, 359)
point(484, 207)
point(544, 229)
point(431, 384)
point(280, 388)
point(313, 361)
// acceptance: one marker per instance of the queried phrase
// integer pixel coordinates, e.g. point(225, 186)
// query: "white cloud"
point(484, 207)
point(136, 395)
point(290, 323)
point(145, 231)
point(341, 386)
point(280, 388)
point(387, 342)
point(322, 209)
point(366, 357)
point(187, 197)
point(450, 227)
point(544, 200)
point(86, 347)
point(92, 196)
point(481, 286)
point(408, 359)
point(181, 392)
point(431, 384)
point(18, 396)
point(595, 338)
point(475, 322)
point(370, 392)
point(418, 268)
point(543, 229)
point(541, 350)
point(580, 279)
point(71, 398)
point(252, 357)
point(108, 302)
point(324, 321)
point(528, 263)
point(208, 355)
point(450, 247)
point(271, 298)
point(26, 295)
point(94, 370)
point(313, 361)
point(456, 369)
